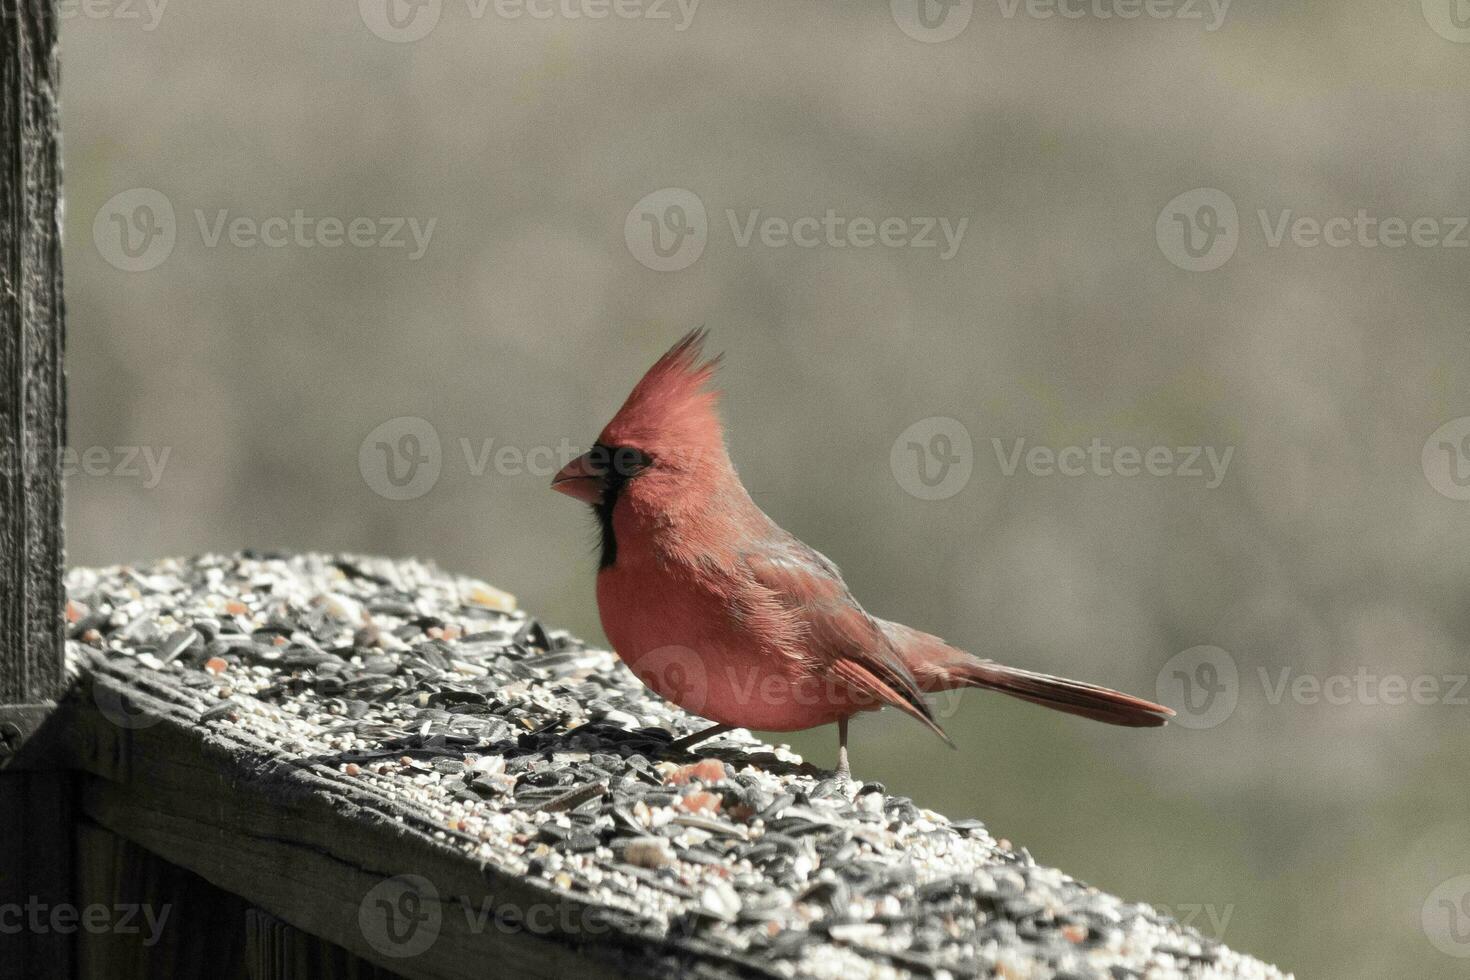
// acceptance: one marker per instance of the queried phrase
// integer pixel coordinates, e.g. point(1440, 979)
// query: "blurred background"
point(1129, 344)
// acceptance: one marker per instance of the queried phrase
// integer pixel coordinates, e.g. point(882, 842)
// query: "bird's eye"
point(629, 462)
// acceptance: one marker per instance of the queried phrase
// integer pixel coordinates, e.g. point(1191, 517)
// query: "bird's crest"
point(672, 407)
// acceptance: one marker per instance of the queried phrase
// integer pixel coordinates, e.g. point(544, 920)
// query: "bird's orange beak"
point(581, 478)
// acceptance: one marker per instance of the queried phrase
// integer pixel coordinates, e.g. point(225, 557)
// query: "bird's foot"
point(844, 771)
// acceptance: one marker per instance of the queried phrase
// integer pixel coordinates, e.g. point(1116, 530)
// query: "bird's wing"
point(810, 593)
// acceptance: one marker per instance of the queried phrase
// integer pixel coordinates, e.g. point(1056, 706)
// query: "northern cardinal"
point(719, 610)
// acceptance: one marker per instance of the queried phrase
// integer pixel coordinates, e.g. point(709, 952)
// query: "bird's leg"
point(689, 741)
point(844, 772)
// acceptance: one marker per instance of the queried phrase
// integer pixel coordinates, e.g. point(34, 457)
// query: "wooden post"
point(35, 806)
point(32, 388)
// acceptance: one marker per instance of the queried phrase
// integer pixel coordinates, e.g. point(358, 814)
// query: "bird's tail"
point(1060, 694)
point(937, 666)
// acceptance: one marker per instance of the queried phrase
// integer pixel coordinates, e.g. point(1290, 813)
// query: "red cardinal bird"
point(719, 610)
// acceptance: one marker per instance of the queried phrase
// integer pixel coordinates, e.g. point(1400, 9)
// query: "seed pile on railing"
point(542, 757)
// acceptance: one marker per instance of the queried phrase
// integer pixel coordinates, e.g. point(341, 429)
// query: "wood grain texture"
point(32, 389)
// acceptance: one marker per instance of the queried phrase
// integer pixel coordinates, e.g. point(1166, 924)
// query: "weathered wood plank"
point(32, 391)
